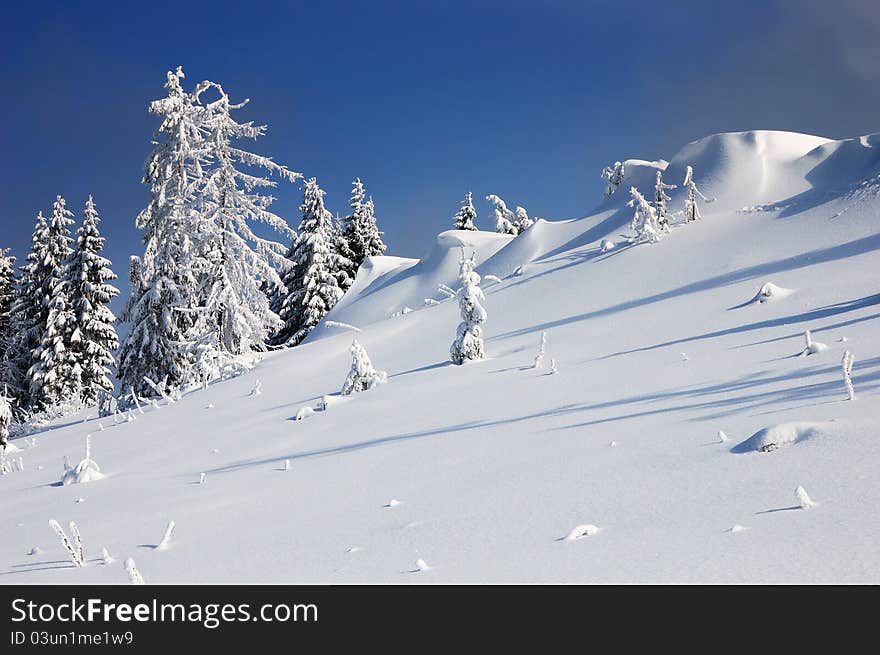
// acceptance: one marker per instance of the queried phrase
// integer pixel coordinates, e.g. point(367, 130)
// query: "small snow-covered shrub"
point(362, 375)
point(304, 413)
point(134, 576)
point(605, 245)
point(811, 347)
point(258, 388)
point(106, 557)
point(422, 565)
point(775, 436)
point(73, 553)
point(803, 498)
point(166, 536)
point(644, 221)
point(5, 421)
point(86, 471)
point(847, 365)
point(539, 358)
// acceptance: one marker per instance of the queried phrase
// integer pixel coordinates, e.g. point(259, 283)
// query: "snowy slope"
point(495, 463)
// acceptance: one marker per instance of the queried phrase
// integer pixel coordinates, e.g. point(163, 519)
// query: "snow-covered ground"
point(610, 470)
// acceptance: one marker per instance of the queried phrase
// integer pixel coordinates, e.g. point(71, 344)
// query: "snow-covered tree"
point(468, 342)
point(27, 318)
point(5, 421)
point(360, 232)
point(55, 376)
point(234, 311)
point(660, 199)
point(691, 210)
point(311, 286)
point(523, 222)
point(362, 375)
point(613, 175)
point(464, 217)
point(505, 220)
point(644, 221)
point(7, 295)
point(94, 338)
point(163, 308)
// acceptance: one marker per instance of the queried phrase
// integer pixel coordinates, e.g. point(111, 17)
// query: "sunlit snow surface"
point(497, 461)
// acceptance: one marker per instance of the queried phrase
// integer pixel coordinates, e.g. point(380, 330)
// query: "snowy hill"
point(610, 470)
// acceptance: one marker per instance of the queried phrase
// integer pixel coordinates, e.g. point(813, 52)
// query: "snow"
point(495, 460)
point(770, 438)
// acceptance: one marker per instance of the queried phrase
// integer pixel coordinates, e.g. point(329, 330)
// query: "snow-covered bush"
point(581, 531)
point(468, 344)
point(505, 220)
point(847, 365)
point(614, 176)
point(362, 375)
point(803, 498)
point(5, 421)
point(303, 413)
point(605, 245)
point(86, 471)
point(539, 358)
point(811, 347)
point(134, 576)
point(644, 221)
point(74, 553)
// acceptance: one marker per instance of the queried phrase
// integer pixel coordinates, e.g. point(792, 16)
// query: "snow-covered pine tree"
point(644, 221)
point(660, 199)
point(7, 294)
point(464, 217)
point(505, 220)
point(468, 342)
point(345, 270)
point(614, 176)
point(360, 231)
point(523, 222)
point(94, 337)
point(233, 309)
point(691, 210)
point(27, 319)
point(362, 375)
point(55, 376)
point(311, 285)
point(163, 306)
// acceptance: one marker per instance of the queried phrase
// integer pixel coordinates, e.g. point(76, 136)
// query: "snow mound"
point(770, 292)
point(773, 437)
point(745, 168)
point(581, 531)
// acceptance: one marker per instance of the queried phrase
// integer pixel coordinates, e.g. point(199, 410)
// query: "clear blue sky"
point(423, 100)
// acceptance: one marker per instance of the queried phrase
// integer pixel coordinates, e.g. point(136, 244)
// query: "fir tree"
point(644, 221)
point(464, 217)
point(94, 337)
point(360, 233)
point(234, 308)
point(660, 199)
point(163, 308)
point(55, 376)
point(523, 222)
point(7, 291)
point(312, 288)
point(691, 211)
point(468, 342)
point(28, 318)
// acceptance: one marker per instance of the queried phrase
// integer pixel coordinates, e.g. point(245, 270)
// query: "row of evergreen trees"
point(57, 334)
point(208, 288)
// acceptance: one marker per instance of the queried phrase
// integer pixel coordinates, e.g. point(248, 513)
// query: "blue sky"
point(423, 100)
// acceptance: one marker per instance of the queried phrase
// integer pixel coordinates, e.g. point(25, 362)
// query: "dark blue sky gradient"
point(423, 100)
